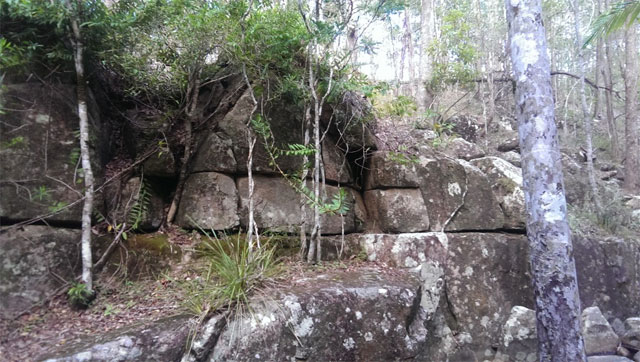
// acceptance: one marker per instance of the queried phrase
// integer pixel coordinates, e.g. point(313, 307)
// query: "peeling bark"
point(551, 252)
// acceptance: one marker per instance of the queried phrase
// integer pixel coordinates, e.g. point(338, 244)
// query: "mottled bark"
point(551, 253)
point(632, 149)
point(87, 208)
point(588, 124)
point(424, 61)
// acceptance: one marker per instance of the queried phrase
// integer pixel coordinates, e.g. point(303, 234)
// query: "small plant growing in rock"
point(80, 296)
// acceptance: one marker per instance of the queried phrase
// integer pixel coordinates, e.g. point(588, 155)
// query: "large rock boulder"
point(396, 210)
point(286, 127)
point(363, 315)
point(506, 182)
point(599, 337)
point(631, 335)
point(39, 152)
point(458, 197)
point(392, 170)
point(609, 275)
point(485, 276)
point(30, 257)
point(215, 155)
point(460, 148)
point(519, 337)
point(162, 340)
point(277, 207)
point(209, 201)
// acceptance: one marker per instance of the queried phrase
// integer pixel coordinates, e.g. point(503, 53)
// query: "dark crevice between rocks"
point(5, 221)
point(383, 188)
point(489, 231)
point(415, 310)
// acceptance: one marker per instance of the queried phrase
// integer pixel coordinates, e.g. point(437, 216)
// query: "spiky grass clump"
point(233, 269)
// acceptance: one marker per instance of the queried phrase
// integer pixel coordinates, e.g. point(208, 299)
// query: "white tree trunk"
point(632, 149)
point(585, 109)
point(551, 252)
point(87, 208)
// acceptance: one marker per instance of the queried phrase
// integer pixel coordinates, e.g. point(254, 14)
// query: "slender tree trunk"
point(632, 149)
point(551, 252)
point(303, 180)
point(87, 208)
point(424, 62)
point(408, 50)
point(193, 92)
point(585, 110)
point(608, 78)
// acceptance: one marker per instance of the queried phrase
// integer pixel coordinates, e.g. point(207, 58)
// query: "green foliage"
point(394, 107)
point(621, 14)
point(454, 53)
point(79, 295)
point(299, 150)
point(233, 270)
point(401, 158)
point(136, 214)
point(12, 143)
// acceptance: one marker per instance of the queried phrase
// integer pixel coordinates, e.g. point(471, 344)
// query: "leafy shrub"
point(79, 296)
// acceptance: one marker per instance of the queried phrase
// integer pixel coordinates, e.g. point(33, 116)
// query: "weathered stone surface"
point(466, 127)
point(576, 181)
point(599, 337)
point(513, 158)
point(509, 145)
point(129, 203)
point(631, 335)
point(608, 359)
point(480, 209)
point(39, 152)
point(284, 125)
point(460, 148)
point(209, 201)
point(336, 167)
point(277, 207)
point(28, 256)
point(609, 275)
point(406, 250)
point(506, 182)
point(162, 340)
point(387, 169)
point(636, 357)
point(457, 195)
point(396, 210)
point(485, 275)
point(148, 255)
point(161, 164)
point(215, 155)
point(366, 315)
point(519, 338)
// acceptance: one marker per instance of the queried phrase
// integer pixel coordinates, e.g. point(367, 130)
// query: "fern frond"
point(624, 12)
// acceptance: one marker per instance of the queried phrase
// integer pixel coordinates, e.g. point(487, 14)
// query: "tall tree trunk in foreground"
point(551, 255)
point(632, 149)
point(78, 56)
point(585, 110)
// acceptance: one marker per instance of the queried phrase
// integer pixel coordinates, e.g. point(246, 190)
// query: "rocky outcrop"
point(39, 153)
point(599, 337)
point(397, 210)
point(277, 207)
point(162, 340)
point(209, 201)
point(366, 315)
point(32, 261)
point(609, 275)
point(519, 338)
point(506, 183)
point(462, 149)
